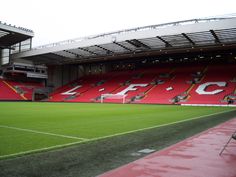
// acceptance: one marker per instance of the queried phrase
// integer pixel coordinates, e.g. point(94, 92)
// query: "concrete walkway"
point(197, 156)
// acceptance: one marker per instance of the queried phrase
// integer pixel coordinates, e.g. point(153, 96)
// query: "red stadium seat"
point(154, 85)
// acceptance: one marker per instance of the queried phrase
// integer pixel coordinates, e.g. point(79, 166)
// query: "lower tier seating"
point(12, 90)
point(188, 84)
point(7, 92)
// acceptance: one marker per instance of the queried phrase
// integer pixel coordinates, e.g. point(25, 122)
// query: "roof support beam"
point(77, 55)
point(86, 50)
point(163, 40)
point(137, 43)
point(126, 48)
point(217, 40)
point(188, 38)
point(58, 55)
point(107, 51)
point(7, 47)
point(45, 59)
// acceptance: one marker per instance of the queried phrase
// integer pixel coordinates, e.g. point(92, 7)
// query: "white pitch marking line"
point(109, 136)
point(44, 133)
point(40, 149)
point(162, 125)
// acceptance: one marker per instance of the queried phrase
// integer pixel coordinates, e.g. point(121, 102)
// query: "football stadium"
point(157, 100)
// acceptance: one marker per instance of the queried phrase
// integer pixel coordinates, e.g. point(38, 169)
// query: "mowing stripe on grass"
point(109, 136)
point(162, 125)
point(44, 133)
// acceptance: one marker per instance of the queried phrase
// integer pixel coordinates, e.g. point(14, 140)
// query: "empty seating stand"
point(12, 90)
point(217, 78)
point(7, 92)
point(25, 89)
point(188, 84)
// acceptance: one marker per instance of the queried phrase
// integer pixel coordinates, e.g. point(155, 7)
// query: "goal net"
point(113, 96)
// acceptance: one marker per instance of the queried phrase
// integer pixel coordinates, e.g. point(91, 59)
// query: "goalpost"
point(113, 96)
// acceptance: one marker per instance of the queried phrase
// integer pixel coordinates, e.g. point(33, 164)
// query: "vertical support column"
point(19, 47)
point(30, 43)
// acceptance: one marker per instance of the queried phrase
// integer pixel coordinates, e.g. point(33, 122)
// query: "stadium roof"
point(10, 35)
point(189, 35)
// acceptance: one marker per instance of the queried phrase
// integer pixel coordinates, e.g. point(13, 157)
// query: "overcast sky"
point(56, 20)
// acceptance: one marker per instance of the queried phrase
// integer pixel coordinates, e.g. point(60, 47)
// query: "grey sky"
point(56, 20)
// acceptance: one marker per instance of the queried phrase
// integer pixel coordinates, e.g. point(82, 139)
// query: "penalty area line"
point(44, 133)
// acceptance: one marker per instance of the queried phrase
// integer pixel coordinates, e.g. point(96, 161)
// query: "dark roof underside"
point(210, 37)
point(10, 35)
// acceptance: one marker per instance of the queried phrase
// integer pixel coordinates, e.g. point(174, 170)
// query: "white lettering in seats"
point(201, 90)
point(131, 87)
point(71, 91)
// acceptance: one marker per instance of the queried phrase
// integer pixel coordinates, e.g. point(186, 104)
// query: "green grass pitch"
point(26, 127)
